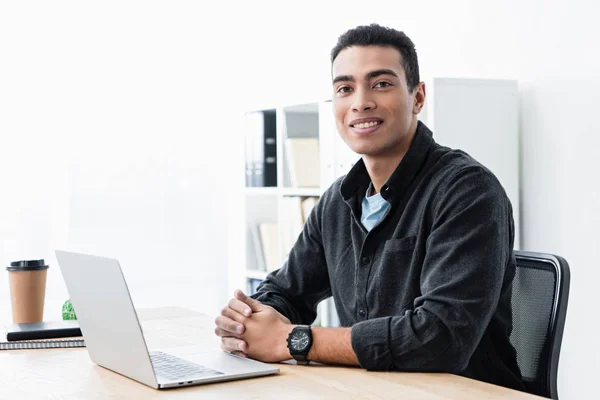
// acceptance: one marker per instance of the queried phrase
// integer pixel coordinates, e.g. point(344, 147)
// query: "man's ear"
point(419, 95)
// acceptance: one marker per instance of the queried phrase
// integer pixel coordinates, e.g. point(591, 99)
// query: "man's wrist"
point(288, 328)
point(313, 349)
point(332, 346)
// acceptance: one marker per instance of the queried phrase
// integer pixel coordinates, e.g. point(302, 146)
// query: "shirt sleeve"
point(302, 282)
point(467, 254)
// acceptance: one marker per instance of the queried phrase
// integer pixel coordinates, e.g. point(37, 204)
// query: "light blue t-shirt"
point(374, 208)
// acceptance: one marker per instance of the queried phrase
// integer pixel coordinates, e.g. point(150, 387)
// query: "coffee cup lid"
point(27, 265)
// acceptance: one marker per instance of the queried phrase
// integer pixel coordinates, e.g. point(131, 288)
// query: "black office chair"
point(540, 293)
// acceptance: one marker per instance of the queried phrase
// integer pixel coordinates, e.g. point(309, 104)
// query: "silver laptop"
point(114, 337)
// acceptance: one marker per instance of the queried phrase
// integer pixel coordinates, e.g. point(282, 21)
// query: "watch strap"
point(301, 359)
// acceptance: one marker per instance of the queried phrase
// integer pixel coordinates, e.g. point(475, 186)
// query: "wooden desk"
point(69, 374)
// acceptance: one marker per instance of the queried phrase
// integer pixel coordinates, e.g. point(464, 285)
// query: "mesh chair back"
point(540, 293)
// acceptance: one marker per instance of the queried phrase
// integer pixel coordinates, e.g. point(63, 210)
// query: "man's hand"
point(266, 331)
point(231, 326)
point(249, 328)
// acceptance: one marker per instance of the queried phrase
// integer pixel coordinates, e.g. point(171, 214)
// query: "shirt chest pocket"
point(397, 283)
point(397, 257)
point(402, 245)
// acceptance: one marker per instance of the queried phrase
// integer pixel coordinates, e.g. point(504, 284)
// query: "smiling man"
point(414, 243)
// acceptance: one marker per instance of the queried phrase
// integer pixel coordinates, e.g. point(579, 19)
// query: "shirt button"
point(366, 260)
point(362, 313)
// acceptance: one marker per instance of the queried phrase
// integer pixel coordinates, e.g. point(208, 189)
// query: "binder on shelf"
point(270, 149)
point(303, 162)
point(248, 159)
point(254, 126)
point(258, 136)
point(254, 285)
point(261, 148)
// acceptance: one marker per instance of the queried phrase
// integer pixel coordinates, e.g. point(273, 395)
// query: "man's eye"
point(344, 89)
point(383, 84)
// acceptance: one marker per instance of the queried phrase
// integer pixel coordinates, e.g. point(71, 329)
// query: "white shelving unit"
point(478, 116)
point(270, 204)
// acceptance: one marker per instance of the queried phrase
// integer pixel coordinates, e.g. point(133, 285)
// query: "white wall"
point(113, 129)
point(141, 92)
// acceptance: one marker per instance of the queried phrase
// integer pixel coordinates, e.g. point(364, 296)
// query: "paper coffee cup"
point(27, 290)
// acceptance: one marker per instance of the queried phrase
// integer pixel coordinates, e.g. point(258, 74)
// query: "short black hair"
point(377, 35)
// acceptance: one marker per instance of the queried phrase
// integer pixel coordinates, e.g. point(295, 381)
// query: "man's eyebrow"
point(378, 72)
point(343, 78)
point(368, 76)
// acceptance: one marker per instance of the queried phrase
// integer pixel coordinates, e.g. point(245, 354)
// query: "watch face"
point(299, 340)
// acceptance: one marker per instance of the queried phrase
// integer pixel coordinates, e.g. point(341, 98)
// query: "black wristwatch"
point(299, 342)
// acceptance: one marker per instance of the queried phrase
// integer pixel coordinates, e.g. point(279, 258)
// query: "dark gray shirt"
point(428, 289)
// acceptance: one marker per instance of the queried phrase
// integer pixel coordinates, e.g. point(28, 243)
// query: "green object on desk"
point(68, 312)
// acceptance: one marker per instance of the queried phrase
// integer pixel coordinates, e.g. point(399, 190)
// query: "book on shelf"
point(261, 148)
point(303, 162)
point(269, 238)
point(258, 247)
point(345, 158)
point(307, 206)
point(292, 209)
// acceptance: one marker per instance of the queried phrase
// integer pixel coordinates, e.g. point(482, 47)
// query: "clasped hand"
point(249, 328)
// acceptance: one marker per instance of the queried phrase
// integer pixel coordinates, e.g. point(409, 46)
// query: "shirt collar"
point(357, 180)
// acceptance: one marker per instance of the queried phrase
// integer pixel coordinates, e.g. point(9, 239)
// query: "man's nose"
point(363, 101)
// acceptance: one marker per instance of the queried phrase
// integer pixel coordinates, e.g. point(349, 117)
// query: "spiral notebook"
point(42, 344)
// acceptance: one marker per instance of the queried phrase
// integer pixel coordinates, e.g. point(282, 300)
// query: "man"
point(414, 243)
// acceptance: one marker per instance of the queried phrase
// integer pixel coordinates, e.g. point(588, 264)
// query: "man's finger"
point(255, 305)
point(233, 344)
point(237, 353)
point(221, 333)
point(240, 307)
point(234, 315)
point(240, 354)
point(229, 325)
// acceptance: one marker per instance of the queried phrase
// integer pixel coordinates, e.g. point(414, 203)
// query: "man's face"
point(374, 110)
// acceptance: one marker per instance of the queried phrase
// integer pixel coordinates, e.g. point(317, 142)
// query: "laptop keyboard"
point(175, 368)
